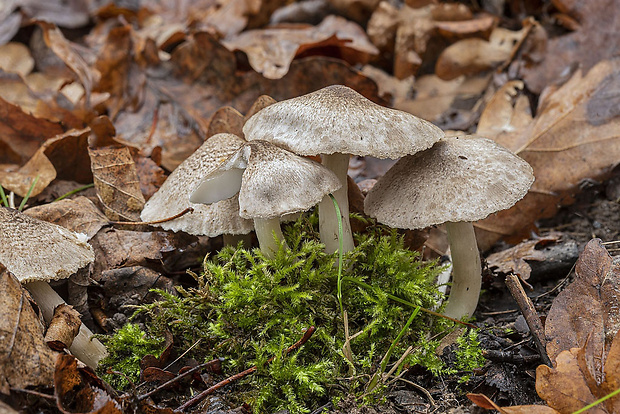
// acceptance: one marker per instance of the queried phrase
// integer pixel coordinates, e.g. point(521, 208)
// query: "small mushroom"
point(458, 181)
point(336, 122)
point(35, 252)
point(173, 196)
point(271, 182)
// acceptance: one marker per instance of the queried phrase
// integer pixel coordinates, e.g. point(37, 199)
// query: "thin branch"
point(148, 223)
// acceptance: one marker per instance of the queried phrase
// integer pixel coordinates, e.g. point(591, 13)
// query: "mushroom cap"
point(336, 119)
point(459, 179)
point(173, 196)
point(277, 182)
point(35, 250)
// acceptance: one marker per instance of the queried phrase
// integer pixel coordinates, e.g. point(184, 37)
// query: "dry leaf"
point(79, 215)
point(585, 314)
point(270, 51)
point(25, 358)
point(22, 134)
point(68, 153)
point(80, 391)
point(514, 260)
point(483, 401)
point(76, 58)
point(471, 56)
point(38, 171)
point(15, 58)
point(225, 120)
point(584, 48)
point(574, 136)
point(116, 182)
point(434, 97)
point(407, 32)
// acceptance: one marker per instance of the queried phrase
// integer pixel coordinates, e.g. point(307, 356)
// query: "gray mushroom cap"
point(274, 181)
point(459, 179)
point(336, 119)
point(173, 196)
point(35, 250)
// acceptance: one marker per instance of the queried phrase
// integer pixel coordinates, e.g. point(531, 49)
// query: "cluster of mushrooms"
point(238, 184)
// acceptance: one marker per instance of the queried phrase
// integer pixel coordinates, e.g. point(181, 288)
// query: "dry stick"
point(148, 223)
point(195, 400)
point(531, 316)
point(209, 364)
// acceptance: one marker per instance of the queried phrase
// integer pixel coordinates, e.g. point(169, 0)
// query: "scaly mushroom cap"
point(336, 119)
point(459, 179)
point(173, 196)
point(277, 182)
point(35, 250)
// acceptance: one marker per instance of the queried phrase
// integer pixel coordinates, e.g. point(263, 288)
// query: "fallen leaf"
point(16, 58)
point(483, 401)
point(584, 315)
point(564, 387)
point(10, 20)
point(571, 138)
point(270, 51)
point(126, 248)
point(407, 32)
point(434, 97)
point(472, 56)
point(25, 358)
point(79, 215)
point(592, 43)
point(80, 391)
point(36, 174)
point(225, 120)
point(22, 134)
point(76, 58)
point(116, 182)
point(514, 260)
point(68, 153)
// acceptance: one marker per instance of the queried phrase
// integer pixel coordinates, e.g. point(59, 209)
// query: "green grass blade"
point(23, 203)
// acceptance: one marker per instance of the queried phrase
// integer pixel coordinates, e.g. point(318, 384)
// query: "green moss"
point(247, 308)
point(126, 348)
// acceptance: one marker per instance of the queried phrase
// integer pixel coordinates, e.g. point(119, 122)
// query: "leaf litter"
point(122, 101)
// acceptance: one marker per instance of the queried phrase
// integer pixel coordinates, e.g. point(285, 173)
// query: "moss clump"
point(247, 308)
point(126, 348)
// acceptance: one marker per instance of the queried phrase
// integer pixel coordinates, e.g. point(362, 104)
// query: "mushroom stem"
point(265, 231)
point(328, 220)
point(466, 272)
point(86, 348)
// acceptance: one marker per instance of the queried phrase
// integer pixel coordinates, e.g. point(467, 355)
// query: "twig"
point(148, 223)
point(530, 314)
point(419, 388)
point(195, 400)
point(32, 392)
point(179, 377)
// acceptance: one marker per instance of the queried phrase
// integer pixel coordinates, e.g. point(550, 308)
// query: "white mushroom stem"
point(328, 219)
point(86, 348)
point(267, 231)
point(225, 184)
point(466, 272)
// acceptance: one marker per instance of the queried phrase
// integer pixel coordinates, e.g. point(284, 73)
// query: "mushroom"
point(458, 181)
point(35, 252)
point(173, 196)
point(271, 182)
point(337, 122)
